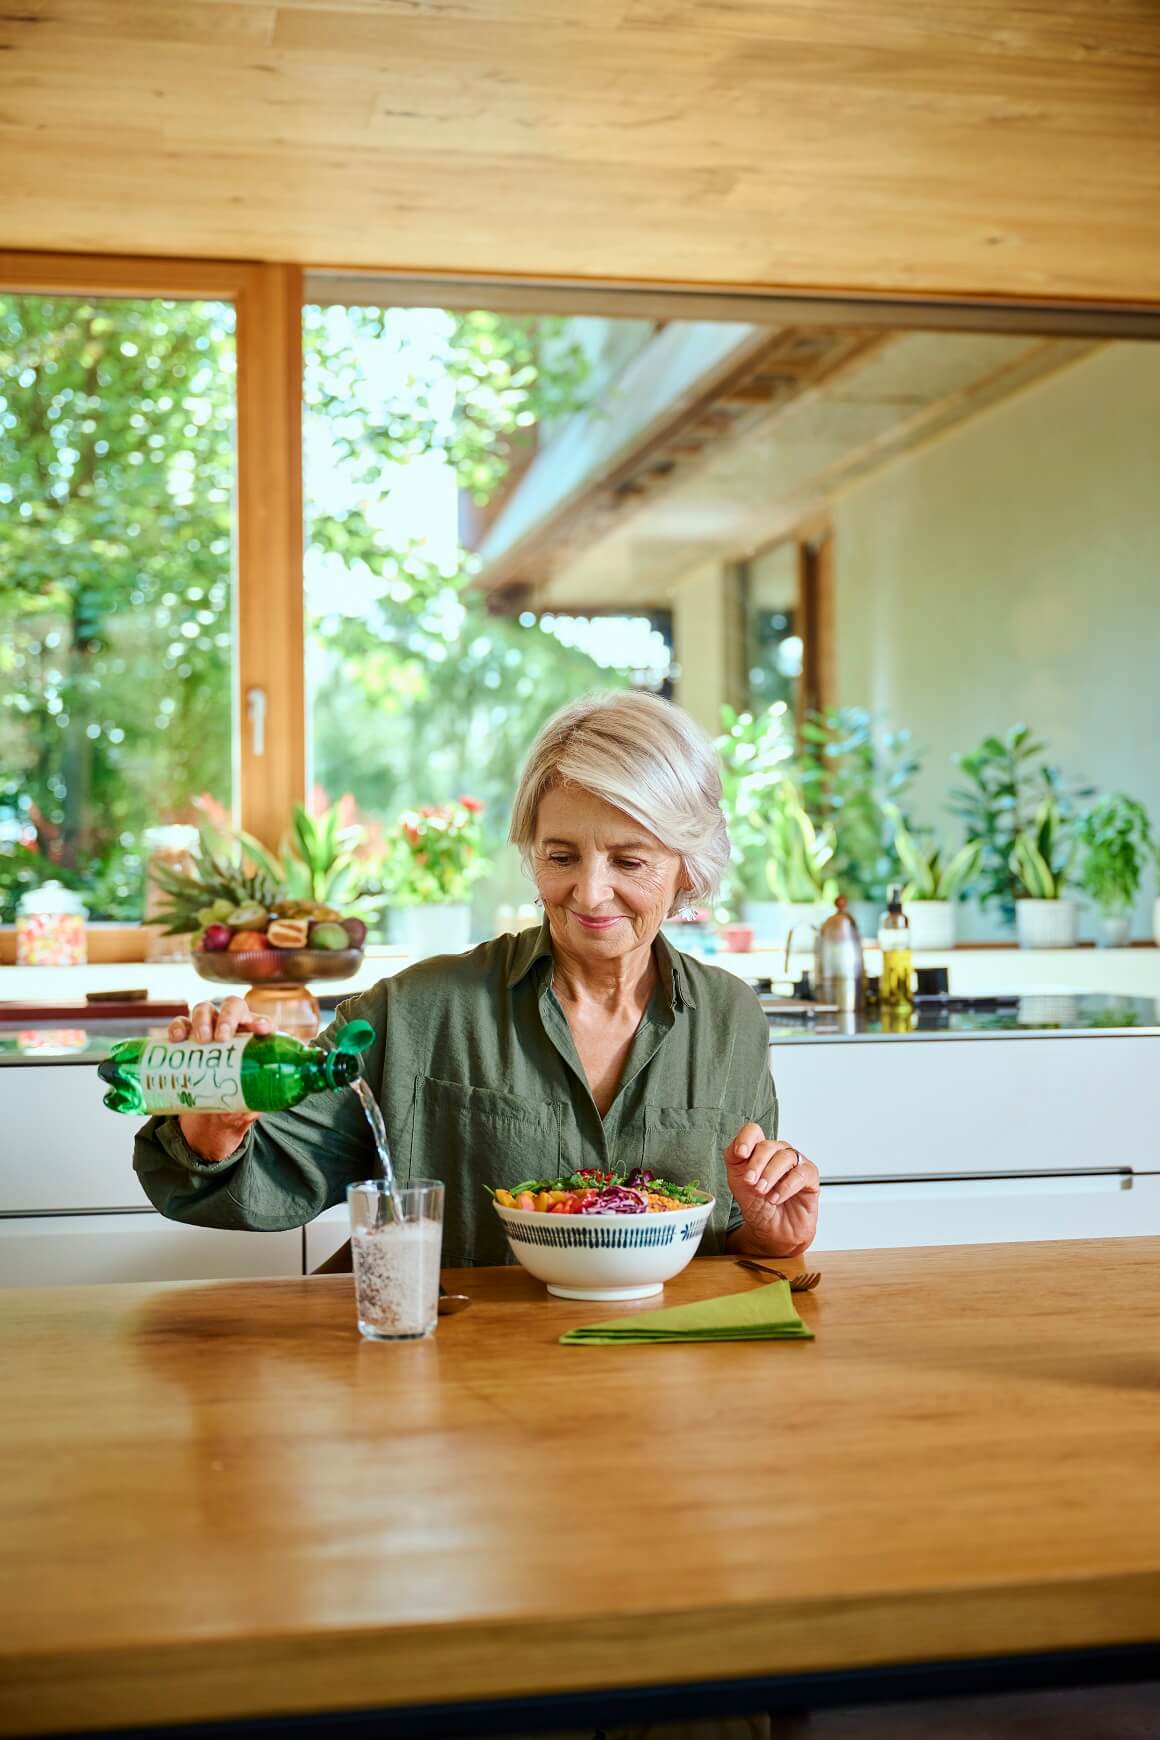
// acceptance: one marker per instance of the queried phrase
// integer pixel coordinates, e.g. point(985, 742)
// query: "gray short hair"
point(644, 756)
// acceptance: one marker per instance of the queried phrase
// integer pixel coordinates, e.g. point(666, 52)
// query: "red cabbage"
point(617, 1200)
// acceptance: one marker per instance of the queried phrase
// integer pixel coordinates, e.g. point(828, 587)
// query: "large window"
point(117, 461)
point(417, 420)
point(166, 653)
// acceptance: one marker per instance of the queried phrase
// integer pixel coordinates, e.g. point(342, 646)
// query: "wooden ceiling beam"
point(733, 407)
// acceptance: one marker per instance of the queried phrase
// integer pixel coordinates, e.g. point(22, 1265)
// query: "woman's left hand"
point(776, 1189)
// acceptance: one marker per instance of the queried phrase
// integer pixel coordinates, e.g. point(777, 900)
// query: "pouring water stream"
point(374, 1117)
point(449, 1303)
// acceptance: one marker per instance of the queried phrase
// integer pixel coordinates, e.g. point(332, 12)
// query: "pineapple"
point(217, 886)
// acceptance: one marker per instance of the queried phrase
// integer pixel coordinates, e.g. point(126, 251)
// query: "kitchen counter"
point(1058, 1014)
point(89, 1040)
point(1129, 972)
point(219, 1503)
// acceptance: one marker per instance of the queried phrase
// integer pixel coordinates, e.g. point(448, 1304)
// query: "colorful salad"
point(593, 1192)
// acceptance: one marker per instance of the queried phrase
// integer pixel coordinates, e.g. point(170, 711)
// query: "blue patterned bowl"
point(605, 1256)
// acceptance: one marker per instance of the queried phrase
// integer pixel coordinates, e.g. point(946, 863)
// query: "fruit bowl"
point(275, 966)
point(605, 1256)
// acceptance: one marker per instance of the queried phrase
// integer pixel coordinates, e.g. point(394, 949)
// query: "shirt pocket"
point(687, 1144)
point(475, 1136)
point(497, 1138)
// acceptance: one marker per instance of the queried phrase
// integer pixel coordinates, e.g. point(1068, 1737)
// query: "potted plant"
point(1006, 778)
point(438, 856)
point(326, 858)
point(1041, 861)
point(798, 868)
point(933, 886)
point(756, 753)
point(1116, 837)
point(852, 776)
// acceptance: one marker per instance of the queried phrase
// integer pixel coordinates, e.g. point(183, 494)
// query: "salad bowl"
point(605, 1253)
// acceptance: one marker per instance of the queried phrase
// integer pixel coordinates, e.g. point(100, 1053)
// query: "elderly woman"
point(589, 1042)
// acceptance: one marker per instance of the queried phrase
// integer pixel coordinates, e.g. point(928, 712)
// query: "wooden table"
point(217, 1502)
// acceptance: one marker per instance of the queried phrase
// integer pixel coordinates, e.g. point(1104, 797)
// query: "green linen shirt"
point(480, 1083)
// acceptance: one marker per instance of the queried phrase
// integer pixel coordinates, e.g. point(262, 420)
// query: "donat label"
point(198, 1078)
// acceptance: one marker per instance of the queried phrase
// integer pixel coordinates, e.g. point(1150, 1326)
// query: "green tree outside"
point(116, 542)
point(116, 493)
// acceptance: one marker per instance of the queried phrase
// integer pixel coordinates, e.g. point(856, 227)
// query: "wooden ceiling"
point(956, 147)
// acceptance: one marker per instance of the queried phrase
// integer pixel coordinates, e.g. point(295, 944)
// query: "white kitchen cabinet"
point(59, 1147)
point(73, 1249)
point(941, 1106)
point(971, 1211)
point(902, 1128)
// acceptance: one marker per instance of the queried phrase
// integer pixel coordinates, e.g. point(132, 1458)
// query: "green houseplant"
point(1116, 837)
point(1042, 857)
point(799, 868)
point(853, 776)
point(1004, 780)
point(756, 754)
point(322, 857)
point(933, 885)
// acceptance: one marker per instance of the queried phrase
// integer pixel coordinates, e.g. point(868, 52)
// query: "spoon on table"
point(452, 1303)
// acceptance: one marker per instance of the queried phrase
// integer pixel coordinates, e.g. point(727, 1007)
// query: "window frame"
point(268, 607)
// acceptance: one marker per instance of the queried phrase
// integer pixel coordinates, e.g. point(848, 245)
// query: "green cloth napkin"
point(761, 1314)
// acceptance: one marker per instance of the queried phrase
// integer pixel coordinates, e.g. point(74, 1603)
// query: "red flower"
point(475, 805)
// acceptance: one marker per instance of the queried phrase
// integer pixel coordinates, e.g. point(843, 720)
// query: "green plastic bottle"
point(252, 1073)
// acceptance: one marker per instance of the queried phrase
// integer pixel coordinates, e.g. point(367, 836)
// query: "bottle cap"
point(841, 923)
point(342, 1063)
point(51, 897)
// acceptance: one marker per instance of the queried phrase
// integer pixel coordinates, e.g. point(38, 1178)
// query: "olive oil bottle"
point(894, 941)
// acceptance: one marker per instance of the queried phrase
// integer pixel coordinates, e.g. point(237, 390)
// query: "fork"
point(803, 1283)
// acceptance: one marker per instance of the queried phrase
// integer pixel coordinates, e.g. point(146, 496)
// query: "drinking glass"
point(396, 1237)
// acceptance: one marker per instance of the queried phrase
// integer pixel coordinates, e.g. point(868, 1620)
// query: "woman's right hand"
point(215, 1136)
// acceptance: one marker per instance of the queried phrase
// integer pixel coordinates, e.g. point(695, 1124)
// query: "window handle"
point(256, 713)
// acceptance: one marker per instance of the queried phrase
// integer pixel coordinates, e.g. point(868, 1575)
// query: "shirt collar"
point(533, 946)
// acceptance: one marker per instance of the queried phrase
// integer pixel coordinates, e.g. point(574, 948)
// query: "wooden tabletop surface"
point(215, 1500)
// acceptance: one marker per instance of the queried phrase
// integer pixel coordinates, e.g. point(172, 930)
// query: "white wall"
point(1011, 571)
point(701, 638)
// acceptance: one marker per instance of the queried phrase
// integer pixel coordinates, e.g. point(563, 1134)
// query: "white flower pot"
point(433, 930)
point(932, 923)
point(1114, 930)
point(1156, 922)
point(772, 921)
point(1046, 924)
